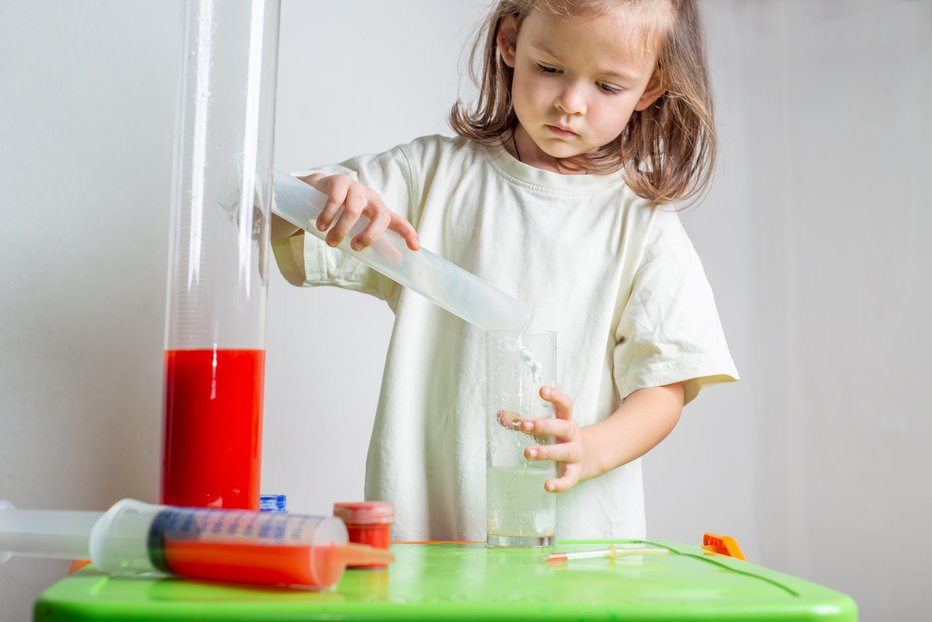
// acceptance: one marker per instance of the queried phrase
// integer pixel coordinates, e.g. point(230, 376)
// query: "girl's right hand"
point(357, 200)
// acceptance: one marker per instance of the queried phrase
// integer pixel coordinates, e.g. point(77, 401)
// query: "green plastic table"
point(452, 581)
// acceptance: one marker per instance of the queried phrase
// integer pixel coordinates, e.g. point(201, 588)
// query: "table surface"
point(468, 581)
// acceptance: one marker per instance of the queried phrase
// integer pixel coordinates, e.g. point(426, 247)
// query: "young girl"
point(591, 115)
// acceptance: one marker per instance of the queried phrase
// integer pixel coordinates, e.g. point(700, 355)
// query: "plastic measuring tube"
point(240, 546)
point(214, 359)
point(458, 291)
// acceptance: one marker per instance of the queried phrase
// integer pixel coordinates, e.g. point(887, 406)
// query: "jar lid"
point(365, 512)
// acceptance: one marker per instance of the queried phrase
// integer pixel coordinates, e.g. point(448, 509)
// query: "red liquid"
point(213, 428)
point(377, 535)
point(248, 562)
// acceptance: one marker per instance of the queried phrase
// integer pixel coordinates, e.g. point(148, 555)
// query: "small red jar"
point(368, 522)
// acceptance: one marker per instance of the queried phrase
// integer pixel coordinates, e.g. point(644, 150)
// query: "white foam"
point(533, 365)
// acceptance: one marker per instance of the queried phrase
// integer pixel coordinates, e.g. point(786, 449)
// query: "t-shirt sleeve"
point(670, 330)
point(305, 260)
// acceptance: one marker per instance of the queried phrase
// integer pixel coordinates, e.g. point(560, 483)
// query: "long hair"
point(667, 150)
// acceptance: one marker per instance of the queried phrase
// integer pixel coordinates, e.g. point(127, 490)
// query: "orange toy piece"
point(77, 564)
point(723, 545)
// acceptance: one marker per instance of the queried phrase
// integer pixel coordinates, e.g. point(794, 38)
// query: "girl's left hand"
point(568, 450)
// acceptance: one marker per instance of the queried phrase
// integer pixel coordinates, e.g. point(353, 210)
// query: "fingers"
point(560, 452)
point(568, 457)
point(568, 450)
point(381, 220)
point(357, 199)
point(512, 421)
point(406, 230)
point(570, 477)
point(336, 188)
point(561, 429)
point(347, 201)
point(378, 223)
point(562, 404)
point(509, 419)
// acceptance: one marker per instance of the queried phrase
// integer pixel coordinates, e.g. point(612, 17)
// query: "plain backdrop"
point(815, 239)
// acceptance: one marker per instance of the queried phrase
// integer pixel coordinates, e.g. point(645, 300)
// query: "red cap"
point(365, 512)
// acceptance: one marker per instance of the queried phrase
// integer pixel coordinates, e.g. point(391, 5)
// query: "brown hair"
point(667, 150)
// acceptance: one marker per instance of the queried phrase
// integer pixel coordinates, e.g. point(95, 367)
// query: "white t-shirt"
point(615, 276)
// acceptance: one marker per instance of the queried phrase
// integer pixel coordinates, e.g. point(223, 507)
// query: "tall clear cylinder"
point(218, 259)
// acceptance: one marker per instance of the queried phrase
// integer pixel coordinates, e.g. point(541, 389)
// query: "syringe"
point(240, 546)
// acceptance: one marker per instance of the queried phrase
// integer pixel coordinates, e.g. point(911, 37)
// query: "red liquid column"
point(218, 259)
point(213, 427)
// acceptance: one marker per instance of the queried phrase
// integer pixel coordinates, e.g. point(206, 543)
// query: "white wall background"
point(814, 238)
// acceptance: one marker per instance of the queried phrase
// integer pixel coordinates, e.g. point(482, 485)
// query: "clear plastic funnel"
point(446, 284)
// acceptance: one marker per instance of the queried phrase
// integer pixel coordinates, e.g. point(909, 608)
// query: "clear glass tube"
point(520, 511)
point(218, 259)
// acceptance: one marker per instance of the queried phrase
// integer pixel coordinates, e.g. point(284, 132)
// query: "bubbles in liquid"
point(532, 364)
point(518, 504)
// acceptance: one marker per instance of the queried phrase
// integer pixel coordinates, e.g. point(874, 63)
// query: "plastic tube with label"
point(458, 291)
point(240, 546)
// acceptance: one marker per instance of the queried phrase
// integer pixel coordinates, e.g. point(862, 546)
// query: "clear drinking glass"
point(520, 512)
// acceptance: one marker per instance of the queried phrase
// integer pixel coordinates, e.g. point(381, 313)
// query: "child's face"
point(576, 81)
